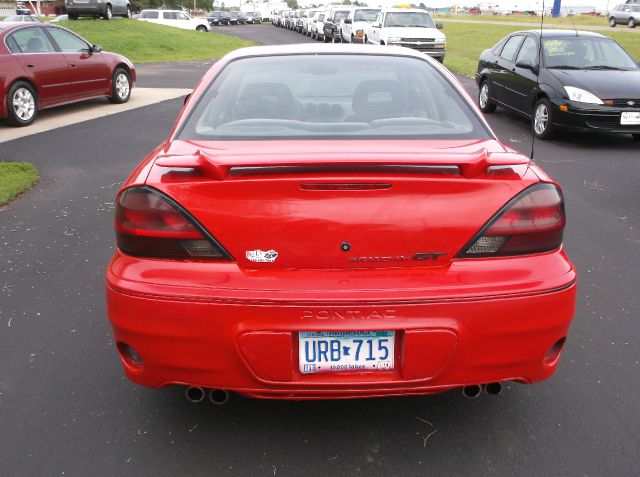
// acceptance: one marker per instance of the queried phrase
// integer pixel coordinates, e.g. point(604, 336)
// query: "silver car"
point(628, 14)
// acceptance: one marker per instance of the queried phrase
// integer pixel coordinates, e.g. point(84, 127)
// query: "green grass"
point(578, 20)
point(15, 178)
point(466, 41)
point(144, 42)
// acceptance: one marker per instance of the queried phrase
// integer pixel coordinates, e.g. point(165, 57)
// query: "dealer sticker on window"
point(326, 352)
point(630, 118)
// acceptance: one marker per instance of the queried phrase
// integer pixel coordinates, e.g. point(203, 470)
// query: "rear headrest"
point(379, 98)
point(267, 101)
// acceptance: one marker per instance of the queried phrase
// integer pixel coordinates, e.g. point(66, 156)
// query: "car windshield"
point(365, 15)
point(586, 53)
point(331, 96)
point(340, 15)
point(408, 19)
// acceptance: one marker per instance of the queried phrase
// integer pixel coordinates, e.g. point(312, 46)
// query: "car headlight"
point(394, 39)
point(582, 96)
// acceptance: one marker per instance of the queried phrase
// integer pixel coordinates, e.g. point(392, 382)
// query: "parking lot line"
point(87, 110)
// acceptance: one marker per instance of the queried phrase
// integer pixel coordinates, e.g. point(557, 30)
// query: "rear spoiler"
point(473, 164)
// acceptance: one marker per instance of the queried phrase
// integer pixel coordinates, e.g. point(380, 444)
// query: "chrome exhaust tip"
point(493, 388)
point(472, 391)
point(194, 394)
point(218, 397)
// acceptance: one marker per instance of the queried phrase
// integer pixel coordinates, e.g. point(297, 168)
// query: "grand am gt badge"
point(262, 257)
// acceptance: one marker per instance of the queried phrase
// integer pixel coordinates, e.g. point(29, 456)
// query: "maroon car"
point(45, 65)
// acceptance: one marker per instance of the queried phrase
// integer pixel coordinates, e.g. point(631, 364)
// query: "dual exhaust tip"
point(219, 397)
point(474, 390)
point(196, 394)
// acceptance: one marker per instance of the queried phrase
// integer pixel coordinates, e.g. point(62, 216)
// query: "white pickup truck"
point(412, 28)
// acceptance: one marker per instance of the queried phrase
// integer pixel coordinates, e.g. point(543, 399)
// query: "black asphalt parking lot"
point(66, 409)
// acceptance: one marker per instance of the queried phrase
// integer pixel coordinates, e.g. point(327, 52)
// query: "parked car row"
point(233, 18)
point(409, 27)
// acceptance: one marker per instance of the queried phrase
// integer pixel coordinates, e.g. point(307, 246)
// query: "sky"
point(599, 5)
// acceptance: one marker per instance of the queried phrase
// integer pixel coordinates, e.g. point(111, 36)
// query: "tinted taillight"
point(532, 222)
point(150, 224)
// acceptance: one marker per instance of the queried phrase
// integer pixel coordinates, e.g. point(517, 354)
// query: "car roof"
point(562, 33)
point(324, 49)
point(412, 10)
point(159, 10)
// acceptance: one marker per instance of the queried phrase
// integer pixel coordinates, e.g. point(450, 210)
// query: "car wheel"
point(484, 98)
point(612, 22)
point(120, 86)
point(22, 104)
point(129, 12)
point(636, 137)
point(201, 28)
point(72, 16)
point(632, 22)
point(542, 119)
point(108, 13)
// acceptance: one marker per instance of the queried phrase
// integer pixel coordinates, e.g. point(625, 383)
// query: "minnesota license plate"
point(328, 351)
point(630, 118)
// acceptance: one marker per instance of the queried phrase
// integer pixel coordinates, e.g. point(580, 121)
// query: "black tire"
point(22, 104)
point(631, 23)
point(120, 91)
point(72, 16)
point(612, 22)
point(542, 119)
point(201, 28)
point(129, 14)
point(484, 98)
point(108, 13)
point(636, 137)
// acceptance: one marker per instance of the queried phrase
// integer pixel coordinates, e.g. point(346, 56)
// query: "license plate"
point(327, 351)
point(630, 118)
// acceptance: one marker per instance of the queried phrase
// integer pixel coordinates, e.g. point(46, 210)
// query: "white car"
point(353, 27)
point(306, 22)
point(316, 26)
point(174, 18)
point(412, 28)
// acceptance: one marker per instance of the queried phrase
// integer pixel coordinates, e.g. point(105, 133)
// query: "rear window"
point(331, 96)
point(148, 15)
point(29, 40)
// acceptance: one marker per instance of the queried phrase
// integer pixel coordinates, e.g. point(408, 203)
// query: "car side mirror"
point(375, 25)
point(96, 49)
point(527, 65)
point(348, 21)
point(439, 26)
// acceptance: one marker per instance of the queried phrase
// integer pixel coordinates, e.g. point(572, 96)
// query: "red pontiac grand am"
point(337, 222)
point(44, 65)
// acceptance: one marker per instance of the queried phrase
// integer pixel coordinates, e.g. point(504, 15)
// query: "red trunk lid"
point(325, 204)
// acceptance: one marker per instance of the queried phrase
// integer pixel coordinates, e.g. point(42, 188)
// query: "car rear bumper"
point(246, 340)
point(596, 118)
